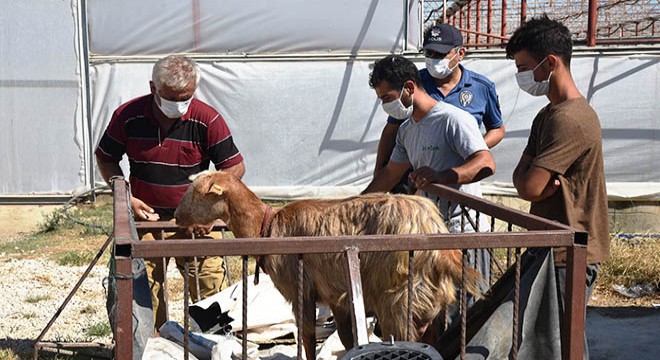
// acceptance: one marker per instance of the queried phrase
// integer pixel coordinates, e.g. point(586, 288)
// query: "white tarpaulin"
point(127, 27)
point(291, 79)
point(310, 128)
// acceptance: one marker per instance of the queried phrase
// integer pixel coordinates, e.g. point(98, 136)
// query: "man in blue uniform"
point(444, 79)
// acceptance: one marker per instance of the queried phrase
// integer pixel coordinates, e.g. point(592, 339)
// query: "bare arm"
point(478, 166)
point(494, 136)
point(533, 183)
point(385, 146)
point(387, 177)
point(141, 210)
point(238, 169)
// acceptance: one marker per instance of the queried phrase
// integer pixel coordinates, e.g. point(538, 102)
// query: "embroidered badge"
point(465, 97)
point(435, 34)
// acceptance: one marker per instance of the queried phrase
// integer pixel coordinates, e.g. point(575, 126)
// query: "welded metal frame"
point(540, 233)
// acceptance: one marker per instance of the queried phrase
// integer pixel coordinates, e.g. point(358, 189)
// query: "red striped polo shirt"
point(161, 163)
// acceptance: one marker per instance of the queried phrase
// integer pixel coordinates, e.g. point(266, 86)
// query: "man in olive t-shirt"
point(561, 170)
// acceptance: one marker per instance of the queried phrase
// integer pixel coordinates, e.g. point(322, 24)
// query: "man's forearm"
point(109, 169)
point(494, 136)
point(385, 146)
point(477, 167)
point(238, 170)
point(521, 169)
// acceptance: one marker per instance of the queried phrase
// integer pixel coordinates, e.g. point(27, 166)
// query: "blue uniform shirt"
point(474, 93)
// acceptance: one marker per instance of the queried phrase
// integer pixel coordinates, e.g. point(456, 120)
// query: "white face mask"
point(527, 83)
point(439, 68)
point(397, 110)
point(173, 109)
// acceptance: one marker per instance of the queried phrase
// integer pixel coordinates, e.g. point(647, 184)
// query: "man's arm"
point(494, 136)
point(141, 210)
point(238, 169)
point(533, 183)
point(478, 166)
point(387, 177)
point(385, 146)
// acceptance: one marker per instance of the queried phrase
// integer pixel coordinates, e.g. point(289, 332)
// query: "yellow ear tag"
point(217, 189)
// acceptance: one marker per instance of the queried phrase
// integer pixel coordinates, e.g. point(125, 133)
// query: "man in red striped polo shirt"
point(169, 135)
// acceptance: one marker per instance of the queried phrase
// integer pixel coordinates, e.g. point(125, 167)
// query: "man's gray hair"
point(176, 72)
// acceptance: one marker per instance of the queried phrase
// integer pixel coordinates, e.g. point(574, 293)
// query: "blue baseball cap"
point(442, 38)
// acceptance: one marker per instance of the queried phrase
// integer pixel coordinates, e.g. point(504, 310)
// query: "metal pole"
point(591, 27)
point(489, 23)
point(503, 30)
point(86, 94)
point(477, 22)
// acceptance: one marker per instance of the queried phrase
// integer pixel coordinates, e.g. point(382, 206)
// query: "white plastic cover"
point(42, 139)
point(307, 127)
point(310, 128)
point(127, 27)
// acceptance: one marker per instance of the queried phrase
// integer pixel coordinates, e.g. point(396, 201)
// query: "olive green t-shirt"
point(566, 139)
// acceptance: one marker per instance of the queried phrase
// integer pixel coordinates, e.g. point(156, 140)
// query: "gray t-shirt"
point(442, 139)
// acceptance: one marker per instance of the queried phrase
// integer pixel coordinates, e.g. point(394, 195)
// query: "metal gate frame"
point(540, 233)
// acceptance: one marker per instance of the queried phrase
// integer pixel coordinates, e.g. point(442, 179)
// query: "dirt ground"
point(18, 219)
point(617, 327)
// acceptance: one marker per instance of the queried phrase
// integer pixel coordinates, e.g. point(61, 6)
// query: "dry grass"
point(632, 262)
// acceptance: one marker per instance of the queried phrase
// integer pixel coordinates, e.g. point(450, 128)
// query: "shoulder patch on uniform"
point(465, 97)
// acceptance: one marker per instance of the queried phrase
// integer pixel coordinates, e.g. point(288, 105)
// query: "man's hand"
point(424, 176)
point(550, 188)
point(143, 211)
point(199, 230)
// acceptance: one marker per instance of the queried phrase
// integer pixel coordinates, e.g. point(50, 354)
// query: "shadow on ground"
point(623, 333)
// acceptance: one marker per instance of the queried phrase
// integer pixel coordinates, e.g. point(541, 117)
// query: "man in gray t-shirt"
point(441, 139)
point(441, 143)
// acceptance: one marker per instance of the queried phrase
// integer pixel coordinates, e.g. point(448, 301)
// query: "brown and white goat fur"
point(437, 274)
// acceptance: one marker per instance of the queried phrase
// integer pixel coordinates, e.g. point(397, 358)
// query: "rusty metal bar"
point(186, 295)
point(312, 244)
point(245, 307)
point(358, 315)
point(517, 217)
point(516, 309)
point(489, 21)
point(301, 299)
point(592, 23)
point(71, 293)
point(124, 318)
point(411, 270)
point(487, 34)
point(464, 304)
point(124, 237)
point(170, 226)
point(85, 349)
point(574, 299)
point(467, 19)
point(503, 19)
point(166, 296)
point(196, 266)
point(477, 23)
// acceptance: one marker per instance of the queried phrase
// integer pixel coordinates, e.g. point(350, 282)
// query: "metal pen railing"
point(539, 233)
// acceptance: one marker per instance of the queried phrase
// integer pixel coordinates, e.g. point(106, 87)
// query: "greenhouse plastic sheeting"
point(310, 128)
point(145, 27)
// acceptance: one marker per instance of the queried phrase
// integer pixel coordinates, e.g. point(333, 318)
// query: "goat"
point(437, 273)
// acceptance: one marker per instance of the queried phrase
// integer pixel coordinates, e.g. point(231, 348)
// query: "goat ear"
point(216, 189)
